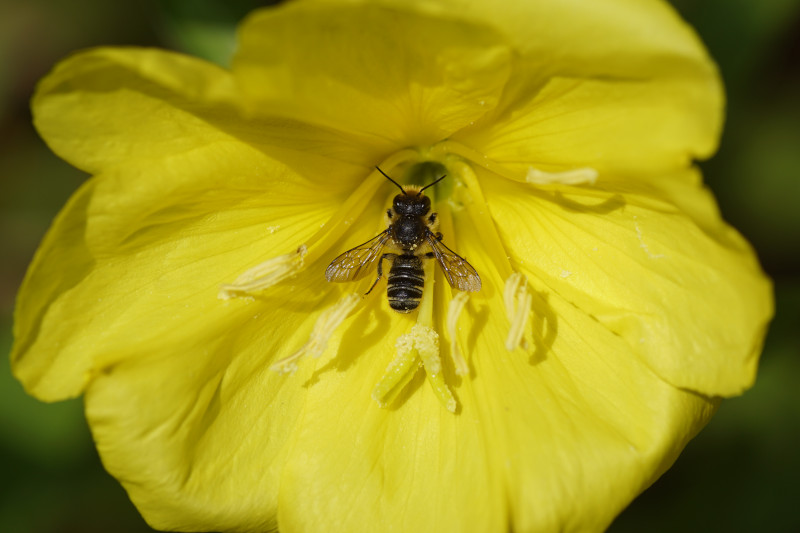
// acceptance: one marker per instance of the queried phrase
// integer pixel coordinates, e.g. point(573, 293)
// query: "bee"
point(411, 235)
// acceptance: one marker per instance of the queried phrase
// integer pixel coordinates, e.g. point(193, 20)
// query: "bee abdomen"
point(405, 283)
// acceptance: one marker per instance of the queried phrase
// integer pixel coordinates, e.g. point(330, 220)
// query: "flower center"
point(416, 256)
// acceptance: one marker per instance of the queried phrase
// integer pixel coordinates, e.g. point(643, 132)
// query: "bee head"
point(411, 203)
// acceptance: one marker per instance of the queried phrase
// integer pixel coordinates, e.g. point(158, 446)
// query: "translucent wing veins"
point(357, 262)
point(459, 274)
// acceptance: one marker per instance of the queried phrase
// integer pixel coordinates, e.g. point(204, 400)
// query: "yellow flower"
point(616, 306)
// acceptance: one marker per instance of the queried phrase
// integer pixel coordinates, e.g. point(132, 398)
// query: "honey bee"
point(412, 237)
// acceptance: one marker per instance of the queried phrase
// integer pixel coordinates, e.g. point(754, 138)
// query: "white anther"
point(517, 301)
point(453, 312)
point(327, 323)
point(576, 176)
point(265, 275)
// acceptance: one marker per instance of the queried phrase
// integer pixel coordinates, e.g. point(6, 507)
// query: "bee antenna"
point(431, 184)
point(390, 179)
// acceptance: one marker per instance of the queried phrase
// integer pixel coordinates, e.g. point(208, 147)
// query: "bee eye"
point(404, 205)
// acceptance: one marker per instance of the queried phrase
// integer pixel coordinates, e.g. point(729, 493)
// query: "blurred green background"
point(740, 474)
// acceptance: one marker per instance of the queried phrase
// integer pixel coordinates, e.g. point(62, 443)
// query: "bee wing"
point(460, 274)
point(356, 262)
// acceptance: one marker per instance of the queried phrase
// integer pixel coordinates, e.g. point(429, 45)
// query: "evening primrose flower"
point(230, 387)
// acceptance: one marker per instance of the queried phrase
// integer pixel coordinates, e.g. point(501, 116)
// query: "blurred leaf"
point(206, 28)
point(767, 182)
point(42, 433)
point(739, 33)
point(215, 42)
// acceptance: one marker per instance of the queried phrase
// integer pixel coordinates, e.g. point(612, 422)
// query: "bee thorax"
point(408, 232)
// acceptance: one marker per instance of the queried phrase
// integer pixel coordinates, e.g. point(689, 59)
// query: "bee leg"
point(432, 218)
point(439, 236)
point(389, 213)
point(380, 271)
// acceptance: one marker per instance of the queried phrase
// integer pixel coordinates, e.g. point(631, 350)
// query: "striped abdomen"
point(406, 279)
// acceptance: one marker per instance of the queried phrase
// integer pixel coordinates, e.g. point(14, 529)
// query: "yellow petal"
point(180, 185)
point(392, 77)
point(96, 310)
point(179, 395)
point(128, 256)
point(620, 127)
point(127, 108)
point(57, 270)
point(94, 105)
point(578, 427)
point(375, 469)
point(622, 87)
point(684, 290)
point(196, 426)
point(561, 439)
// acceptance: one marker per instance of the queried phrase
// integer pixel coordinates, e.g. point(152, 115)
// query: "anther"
point(426, 341)
point(517, 301)
point(577, 176)
point(265, 275)
point(453, 312)
point(419, 344)
point(324, 327)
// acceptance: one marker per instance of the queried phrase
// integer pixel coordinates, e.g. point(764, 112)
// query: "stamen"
point(479, 212)
point(324, 327)
point(453, 312)
point(265, 275)
point(421, 344)
point(398, 373)
point(517, 300)
point(576, 176)
point(426, 341)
